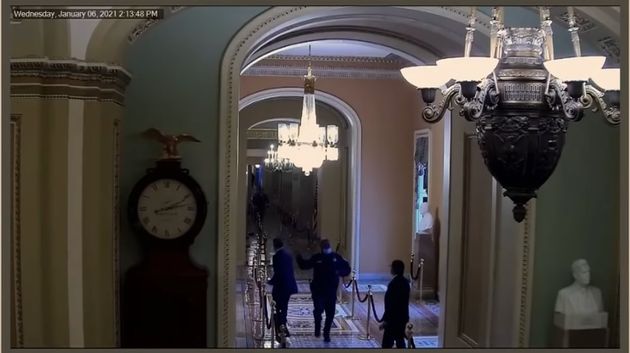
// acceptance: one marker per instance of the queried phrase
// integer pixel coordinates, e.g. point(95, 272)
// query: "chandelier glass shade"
point(579, 68)
point(424, 76)
point(521, 99)
point(466, 68)
point(307, 145)
point(607, 79)
point(275, 162)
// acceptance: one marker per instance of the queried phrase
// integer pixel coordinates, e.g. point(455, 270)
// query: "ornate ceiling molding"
point(610, 46)
point(352, 67)
point(144, 25)
point(262, 134)
point(140, 28)
point(349, 60)
point(48, 78)
point(584, 24)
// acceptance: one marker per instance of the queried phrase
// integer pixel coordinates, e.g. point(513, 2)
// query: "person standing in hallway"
point(327, 267)
point(396, 313)
point(283, 282)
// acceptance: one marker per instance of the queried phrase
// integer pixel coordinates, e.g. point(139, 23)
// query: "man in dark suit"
point(283, 282)
point(327, 267)
point(396, 313)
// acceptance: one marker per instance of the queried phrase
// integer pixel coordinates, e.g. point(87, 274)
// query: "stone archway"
point(239, 52)
point(354, 167)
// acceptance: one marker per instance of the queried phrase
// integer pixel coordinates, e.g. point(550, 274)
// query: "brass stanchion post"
point(421, 278)
point(260, 318)
point(353, 280)
point(263, 297)
point(340, 291)
point(273, 323)
point(409, 335)
point(367, 328)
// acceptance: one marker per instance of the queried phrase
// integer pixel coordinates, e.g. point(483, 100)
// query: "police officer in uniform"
point(327, 267)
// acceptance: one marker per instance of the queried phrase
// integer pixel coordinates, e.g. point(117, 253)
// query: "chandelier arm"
point(595, 99)
point(432, 113)
point(486, 99)
point(573, 109)
point(590, 96)
point(552, 96)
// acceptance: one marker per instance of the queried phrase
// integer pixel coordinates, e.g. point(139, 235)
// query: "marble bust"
point(580, 304)
point(426, 223)
point(580, 297)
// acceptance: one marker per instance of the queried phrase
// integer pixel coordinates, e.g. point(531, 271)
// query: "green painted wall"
point(175, 87)
point(577, 216)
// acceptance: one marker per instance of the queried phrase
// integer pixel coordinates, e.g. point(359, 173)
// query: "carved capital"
point(43, 77)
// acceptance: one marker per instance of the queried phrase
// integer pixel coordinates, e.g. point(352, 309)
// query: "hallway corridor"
point(349, 331)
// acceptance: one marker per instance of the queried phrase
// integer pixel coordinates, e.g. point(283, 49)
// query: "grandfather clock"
point(164, 296)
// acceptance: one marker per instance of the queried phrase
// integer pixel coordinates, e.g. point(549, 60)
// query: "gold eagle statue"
point(169, 142)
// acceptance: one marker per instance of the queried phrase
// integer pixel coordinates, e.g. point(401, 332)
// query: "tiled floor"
point(347, 332)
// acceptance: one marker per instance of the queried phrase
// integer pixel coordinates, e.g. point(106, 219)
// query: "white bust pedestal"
point(581, 330)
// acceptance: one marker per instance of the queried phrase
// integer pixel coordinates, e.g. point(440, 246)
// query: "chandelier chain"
point(573, 29)
point(470, 29)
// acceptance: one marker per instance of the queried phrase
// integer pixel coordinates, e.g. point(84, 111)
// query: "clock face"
point(167, 208)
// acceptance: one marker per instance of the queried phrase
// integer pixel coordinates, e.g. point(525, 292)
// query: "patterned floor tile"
point(336, 342)
point(363, 288)
point(426, 341)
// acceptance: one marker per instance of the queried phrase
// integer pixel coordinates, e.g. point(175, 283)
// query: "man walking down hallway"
point(283, 282)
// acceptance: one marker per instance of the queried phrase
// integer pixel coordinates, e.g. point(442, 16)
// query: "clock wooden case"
point(164, 296)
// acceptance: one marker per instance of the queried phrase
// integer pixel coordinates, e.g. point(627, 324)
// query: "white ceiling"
point(336, 48)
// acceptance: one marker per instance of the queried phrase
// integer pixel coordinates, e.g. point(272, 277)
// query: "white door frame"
point(444, 227)
point(353, 212)
point(249, 39)
point(416, 134)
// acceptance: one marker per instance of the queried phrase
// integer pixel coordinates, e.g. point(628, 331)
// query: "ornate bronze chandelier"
point(520, 98)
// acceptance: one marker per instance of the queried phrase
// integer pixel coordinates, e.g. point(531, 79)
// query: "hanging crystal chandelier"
point(274, 162)
point(520, 98)
point(307, 145)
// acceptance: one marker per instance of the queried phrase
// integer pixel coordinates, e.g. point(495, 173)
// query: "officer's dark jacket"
point(327, 268)
point(283, 280)
point(397, 301)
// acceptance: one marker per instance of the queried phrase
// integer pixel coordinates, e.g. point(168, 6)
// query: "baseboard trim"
point(425, 290)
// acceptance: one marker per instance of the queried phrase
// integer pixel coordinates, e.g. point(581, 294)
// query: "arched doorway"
point(234, 55)
point(354, 161)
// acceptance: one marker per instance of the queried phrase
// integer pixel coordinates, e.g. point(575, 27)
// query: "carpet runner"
point(300, 317)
